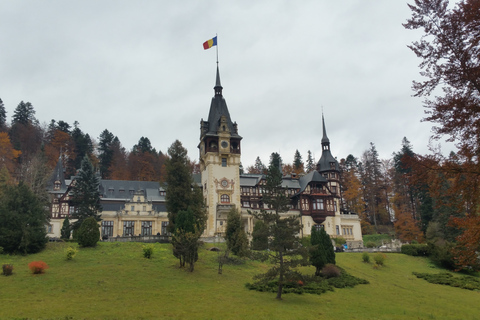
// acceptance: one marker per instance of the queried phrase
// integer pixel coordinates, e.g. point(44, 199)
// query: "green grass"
point(114, 281)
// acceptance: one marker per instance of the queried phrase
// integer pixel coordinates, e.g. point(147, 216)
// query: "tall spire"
point(218, 86)
point(325, 140)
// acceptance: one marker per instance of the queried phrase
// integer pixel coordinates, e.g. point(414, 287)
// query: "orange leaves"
point(8, 155)
point(467, 249)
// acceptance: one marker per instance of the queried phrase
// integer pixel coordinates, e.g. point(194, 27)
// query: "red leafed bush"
point(37, 267)
point(300, 283)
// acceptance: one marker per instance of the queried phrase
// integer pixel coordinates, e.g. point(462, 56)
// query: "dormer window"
point(56, 185)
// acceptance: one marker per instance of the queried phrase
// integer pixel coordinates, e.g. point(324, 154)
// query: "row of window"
point(129, 228)
point(319, 204)
point(246, 191)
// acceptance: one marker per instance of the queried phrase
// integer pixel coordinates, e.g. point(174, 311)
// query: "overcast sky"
point(138, 68)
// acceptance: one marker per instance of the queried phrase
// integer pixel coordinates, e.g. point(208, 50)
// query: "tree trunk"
point(280, 280)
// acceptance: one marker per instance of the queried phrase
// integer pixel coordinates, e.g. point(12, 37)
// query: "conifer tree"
point(298, 163)
point(322, 252)
point(65, 231)
point(283, 245)
point(3, 116)
point(310, 162)
point(22, 220)
point(235, 235)
point(86, 194)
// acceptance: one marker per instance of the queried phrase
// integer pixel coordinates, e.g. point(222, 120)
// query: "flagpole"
point(216, 36)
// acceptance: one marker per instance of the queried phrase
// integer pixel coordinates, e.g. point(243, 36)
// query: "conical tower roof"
point(327, 162)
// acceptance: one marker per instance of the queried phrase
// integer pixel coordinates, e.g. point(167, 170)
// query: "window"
point(246, 204)
point(107, 228)
point(334, 189)
point(144, 208)
point(132, 208)
point(164, 228)
point(318, 204)
point(319, 227)
point(128, 228)
point(71, 209)
point(57, 185)
point(224, 162)
point(146, 228)
point(224, 198)
point(49, 228)
point(138, 199)
point(337, 230)
point(305, 205)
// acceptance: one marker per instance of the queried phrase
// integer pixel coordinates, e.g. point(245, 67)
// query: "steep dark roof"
point(324, 163)
point(218, 108)
point(57, 175)
point(123, 189)
point(312, 176)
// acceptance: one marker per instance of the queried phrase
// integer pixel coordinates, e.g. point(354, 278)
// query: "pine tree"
point(298, 163)
point(283, 232)
point(3, 116)
point(24, 114)
point(180, 195)
point(260, 236)
point(65, 232)
point(310, 162)
point(22, 220)
point(235, 235)
point(321, 252)
point(105, 153)
point(86, 194)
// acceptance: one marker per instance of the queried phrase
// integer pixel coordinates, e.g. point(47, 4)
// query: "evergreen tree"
point(22, 220)
point(180, 195)
point(276, 161)
point(185, 206)
point(185, 239)
point(24, 114)
point(321, 252)
point(65, 231)
point(260, 236)
point(86, 194)
point(297, 163)
point(3, 116)
point(105, 153)
point(310, 162)
point(83, 146)
point(89, 232)
point(235, 235)
point(283, 232)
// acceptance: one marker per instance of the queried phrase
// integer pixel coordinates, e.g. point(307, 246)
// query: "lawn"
point(114, 281)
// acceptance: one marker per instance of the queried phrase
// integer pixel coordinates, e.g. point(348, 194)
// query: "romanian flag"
point(210, 43)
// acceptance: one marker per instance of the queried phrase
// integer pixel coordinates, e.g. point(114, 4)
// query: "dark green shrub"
point(1, 250)
point(422, 250)
point(89, 233)
point(366, 257)
point(370, 244)
point(147, 251)
point(305, 241)
point(7, 269)
point(441, 255)
point(445, 278)
point(259, 236)
point(339, 241)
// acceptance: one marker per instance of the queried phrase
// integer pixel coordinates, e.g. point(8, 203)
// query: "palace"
point(138, 207)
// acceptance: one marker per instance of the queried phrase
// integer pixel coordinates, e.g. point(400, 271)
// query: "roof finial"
point(324, 138)
point(218, 86)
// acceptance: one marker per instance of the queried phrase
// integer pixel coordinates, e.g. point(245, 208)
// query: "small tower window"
point(224, 162)
point(223, 127)
point(224, 198)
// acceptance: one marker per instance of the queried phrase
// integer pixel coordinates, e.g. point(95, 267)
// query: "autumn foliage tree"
point(450, 54)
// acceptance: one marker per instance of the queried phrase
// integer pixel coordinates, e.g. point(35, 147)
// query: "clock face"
point(224, 144)
point(224, 183)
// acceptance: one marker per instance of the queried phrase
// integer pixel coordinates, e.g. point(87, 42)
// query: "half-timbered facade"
point(138, 207)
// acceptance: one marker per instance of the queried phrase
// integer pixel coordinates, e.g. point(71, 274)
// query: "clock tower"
point(219, 163)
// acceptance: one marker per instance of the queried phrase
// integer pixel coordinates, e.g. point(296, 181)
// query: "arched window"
point(224, 198)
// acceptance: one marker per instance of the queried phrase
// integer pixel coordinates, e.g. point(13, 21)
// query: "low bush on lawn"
point(309, 284)
point(416, 250)
point(37, 267)
point(7, 269)
point(448, 279)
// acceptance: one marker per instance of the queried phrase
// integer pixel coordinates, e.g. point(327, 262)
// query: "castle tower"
point(219, 162)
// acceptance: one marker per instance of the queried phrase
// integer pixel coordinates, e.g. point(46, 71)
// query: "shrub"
point(380, 259)
point(339, 241)
point(366, 257)
point(70, 253)
point(415, 250)
point(331, 271)
point(88, 233)
point(147, 251)
point(1, 250)
point(370, 244)
point(37, 267)
point(7, 269)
